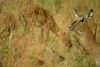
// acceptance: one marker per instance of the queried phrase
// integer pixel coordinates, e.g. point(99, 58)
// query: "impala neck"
point(87, 35)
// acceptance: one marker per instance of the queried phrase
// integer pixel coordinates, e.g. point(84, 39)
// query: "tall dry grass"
point(26, 50)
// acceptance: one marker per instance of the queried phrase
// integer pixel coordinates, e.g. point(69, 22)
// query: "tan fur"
point(89, 43)
point(7, 25)
point(37, 15)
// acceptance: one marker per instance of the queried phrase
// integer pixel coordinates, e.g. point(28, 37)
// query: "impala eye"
point(82, 20)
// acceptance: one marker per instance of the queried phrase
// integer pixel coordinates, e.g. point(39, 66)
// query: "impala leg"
point(97, 61)
point(33, 28)
point(41, 38)
point(10, 37)
point(47, 37)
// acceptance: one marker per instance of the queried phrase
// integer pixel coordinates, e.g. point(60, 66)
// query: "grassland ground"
point(25, 50)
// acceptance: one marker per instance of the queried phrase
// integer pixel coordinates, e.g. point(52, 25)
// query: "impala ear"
point(90, 13)
point(75, 13)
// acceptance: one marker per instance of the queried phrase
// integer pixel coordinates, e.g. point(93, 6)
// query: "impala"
point(89, 43)
point(7, 25)
point(33, 14)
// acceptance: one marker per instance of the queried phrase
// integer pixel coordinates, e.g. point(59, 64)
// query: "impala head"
point(80, 21)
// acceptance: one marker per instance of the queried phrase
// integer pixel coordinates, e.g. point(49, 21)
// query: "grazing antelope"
point(89, 43)
point(7, 25)
point(39, 16)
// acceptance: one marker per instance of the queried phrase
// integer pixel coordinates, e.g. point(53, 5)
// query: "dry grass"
point(26, 49)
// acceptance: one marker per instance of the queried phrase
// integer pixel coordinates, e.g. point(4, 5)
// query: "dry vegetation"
point(25, 50)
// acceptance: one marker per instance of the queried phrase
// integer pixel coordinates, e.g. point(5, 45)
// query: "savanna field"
point(28, 48)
